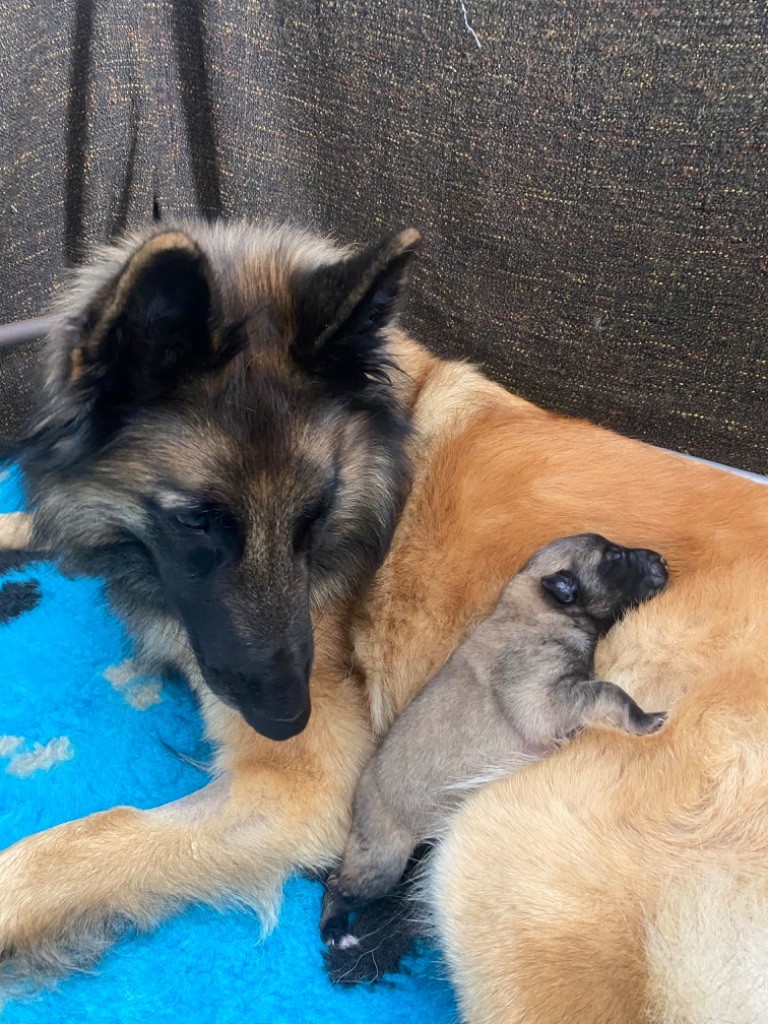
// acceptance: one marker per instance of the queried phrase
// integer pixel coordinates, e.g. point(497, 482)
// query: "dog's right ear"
point(563, 586)
point(151, 326)
point(143, 333)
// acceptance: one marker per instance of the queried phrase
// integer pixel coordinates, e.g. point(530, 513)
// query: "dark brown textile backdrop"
point(589, 175)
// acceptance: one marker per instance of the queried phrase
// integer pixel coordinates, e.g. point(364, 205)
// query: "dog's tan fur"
point(547, 892)
point(15, 531)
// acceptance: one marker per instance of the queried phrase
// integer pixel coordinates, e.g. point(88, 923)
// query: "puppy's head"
point(590, 576)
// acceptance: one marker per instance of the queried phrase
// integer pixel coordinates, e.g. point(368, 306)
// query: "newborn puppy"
point(522, 681)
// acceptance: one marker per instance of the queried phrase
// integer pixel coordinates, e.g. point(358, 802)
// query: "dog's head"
point(222, 436)
point(587, 575)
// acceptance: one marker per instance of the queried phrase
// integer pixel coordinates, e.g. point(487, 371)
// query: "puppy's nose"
point(656, 569)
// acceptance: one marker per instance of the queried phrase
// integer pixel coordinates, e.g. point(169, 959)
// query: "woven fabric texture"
point(590, 176)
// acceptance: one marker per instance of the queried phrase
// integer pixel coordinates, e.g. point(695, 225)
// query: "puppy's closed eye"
point(563, 586)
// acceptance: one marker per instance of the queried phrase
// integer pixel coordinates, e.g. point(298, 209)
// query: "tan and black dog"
point(289, 499)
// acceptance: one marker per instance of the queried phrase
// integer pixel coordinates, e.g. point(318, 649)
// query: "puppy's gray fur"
point(523, 681)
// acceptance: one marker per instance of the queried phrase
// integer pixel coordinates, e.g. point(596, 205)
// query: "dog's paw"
point(371, 943)
point(334, 914)
point(335, 930)
point(366, 942)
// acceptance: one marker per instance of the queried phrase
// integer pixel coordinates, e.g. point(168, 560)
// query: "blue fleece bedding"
point(81, 731)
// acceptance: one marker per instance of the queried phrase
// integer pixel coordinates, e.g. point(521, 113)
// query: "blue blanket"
point(80, 731)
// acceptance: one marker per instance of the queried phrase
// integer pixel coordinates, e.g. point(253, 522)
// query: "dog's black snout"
point(269, 689)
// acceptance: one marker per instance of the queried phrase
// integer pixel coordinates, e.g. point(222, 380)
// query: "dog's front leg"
point(15, 531)
point(67, 892)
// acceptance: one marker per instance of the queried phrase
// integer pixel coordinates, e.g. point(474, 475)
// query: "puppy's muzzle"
point(652, 570)
point(639, 572)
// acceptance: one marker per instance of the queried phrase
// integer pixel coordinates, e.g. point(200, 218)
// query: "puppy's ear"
point(563, 586)
point(342, 310)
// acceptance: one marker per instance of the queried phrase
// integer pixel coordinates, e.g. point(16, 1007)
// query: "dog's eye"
point(200, 522)
point(309, 521)
point(305, 525)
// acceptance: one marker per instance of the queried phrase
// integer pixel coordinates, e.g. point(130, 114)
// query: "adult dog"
point(273, 479)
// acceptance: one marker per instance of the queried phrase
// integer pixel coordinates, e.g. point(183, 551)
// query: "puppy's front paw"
point(648, 722)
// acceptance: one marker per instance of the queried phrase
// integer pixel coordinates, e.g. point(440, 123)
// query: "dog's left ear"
point(342, 310)
point(563, 586)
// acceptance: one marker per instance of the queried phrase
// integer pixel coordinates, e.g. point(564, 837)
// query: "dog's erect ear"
point(342, 309)
point(149, 328)
point(563, 586)
point(144, 332)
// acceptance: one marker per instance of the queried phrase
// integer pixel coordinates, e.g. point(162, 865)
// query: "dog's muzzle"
point(272, 694)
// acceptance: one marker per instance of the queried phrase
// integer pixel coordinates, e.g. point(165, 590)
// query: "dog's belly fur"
point(547, 891)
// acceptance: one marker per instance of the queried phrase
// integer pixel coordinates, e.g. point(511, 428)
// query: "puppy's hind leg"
point(373, 863)
point(373, 944)
point(334, 916)
point(612, 704)
point(372, 866)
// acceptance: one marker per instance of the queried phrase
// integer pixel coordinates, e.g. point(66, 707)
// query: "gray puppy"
point(523, 680)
